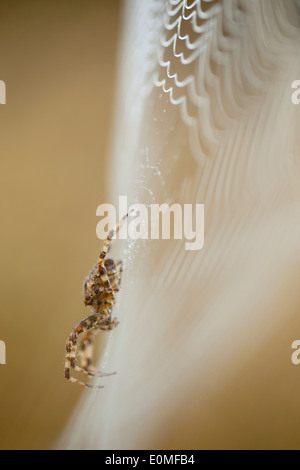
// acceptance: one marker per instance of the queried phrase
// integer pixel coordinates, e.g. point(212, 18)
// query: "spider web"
point(201, 86)
point(214, 58)
point(211, 60)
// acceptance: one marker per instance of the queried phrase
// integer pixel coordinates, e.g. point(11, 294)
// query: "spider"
point(99, 293)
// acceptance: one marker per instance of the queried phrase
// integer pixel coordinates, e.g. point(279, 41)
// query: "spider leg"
point(107, 325)
point(85, 352)
point(109, 238)
point(93, 321)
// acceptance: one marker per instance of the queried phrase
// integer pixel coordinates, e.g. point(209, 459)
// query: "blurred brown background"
point(58, 62)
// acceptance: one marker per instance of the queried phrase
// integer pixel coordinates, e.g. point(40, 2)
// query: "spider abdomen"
point(99, 287)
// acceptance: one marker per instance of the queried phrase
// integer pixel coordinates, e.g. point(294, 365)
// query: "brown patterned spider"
point(99, 293)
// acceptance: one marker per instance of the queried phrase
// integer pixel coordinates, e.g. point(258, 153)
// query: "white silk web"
point(203, 115)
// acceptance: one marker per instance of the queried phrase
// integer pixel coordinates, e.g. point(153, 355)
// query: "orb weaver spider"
point(99, 293)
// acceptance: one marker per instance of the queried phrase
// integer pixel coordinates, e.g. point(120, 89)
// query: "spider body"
point(99, 291)
point(97, 285)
